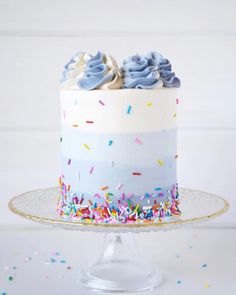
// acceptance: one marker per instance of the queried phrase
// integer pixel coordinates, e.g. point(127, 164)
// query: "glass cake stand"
point(119, 267)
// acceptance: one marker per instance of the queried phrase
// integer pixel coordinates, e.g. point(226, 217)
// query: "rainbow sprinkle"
point(138, 141)
point(69, 161)
point(177, 101)
point(160, 162)
point(119, 186)
point(136, 173)
point(149, 104)
point(101, 102)
point(75, 125)
point(89, 122)
point(91, 170)
point(110, 142)
point(86, 146)
point(104, 188)
point(129, 109)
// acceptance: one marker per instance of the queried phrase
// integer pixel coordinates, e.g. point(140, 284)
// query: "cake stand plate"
point(120, 267)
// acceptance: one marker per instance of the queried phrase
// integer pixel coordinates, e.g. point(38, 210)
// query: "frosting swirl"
point(167, 76)
point(101, 72)
point(140, 72)
point(74, 70)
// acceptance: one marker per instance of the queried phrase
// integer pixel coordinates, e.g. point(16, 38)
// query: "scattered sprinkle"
point(4, 293)
point(68, 188)
point(204, 265)
point(75, 102)
point(111, 163)
point(179, 282)
point(176, 156)
point(119, 186)
point(68, 267)
point(160, 162)
point(101, 102)
point(136, 173)
point(174, 115)
point(129, 109)
point(62, 261)
point(89, 122)
point(86, 146)
point(10, 278)
point(91, 170)
point(69, 161)
point(104, 188)
point(207, 285)
point(110, 142)
point(60, 139)
point(157, 188)
point(64, 114)
point(75, 125)
point(177, 101)
point(149, 104)
point(138, 141)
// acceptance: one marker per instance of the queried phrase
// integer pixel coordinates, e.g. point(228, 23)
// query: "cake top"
point(87, 72)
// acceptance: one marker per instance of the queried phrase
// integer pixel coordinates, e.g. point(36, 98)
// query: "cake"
point(118, 139)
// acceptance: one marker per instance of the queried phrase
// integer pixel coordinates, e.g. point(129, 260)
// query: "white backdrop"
point(38, 37)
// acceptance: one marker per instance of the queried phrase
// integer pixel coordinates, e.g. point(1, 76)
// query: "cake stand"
point(120, 267)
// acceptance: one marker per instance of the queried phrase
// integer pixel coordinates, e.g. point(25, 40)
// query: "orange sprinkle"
point(68, 188)
point(104, 188)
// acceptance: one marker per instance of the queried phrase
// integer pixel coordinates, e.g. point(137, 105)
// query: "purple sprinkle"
point(101, 102)
point(69, 161)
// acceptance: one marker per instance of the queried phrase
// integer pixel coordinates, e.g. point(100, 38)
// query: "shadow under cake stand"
point(119, 267)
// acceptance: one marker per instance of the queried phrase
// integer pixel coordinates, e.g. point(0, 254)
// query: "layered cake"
point(118, 139)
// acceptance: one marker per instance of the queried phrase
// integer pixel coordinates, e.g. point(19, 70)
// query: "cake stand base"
point(120, 267)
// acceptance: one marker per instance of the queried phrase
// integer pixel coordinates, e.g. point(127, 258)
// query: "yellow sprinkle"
point(160, 162)
point(136, 208)
point(149, 104)
point(86, 146)
point(174, 115)
point(207, 285)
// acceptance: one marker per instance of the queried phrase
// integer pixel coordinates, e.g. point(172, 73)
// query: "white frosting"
point(150, 110)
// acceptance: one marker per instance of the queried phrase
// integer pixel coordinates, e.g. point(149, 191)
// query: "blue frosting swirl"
point(148, 71)
point(164, 66)
point(140, 72)
point(97, 72)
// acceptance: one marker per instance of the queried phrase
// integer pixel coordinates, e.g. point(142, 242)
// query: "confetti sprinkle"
point(138, 141)
point(204, 265)
point(111, 163)
point(157, 188)
point(62, 261)
point(129, 109)
point(68, 188)
point(149, 104)
point(101, 102)
point(179, 282)
point(60, 139)
point(69, 161)
point(174, 115)
point(176, 156)
point(160, 162)
point(207, 285)
point(4, 293)
point(91, 170)
point(86, 146)
point(10, 278)
point(104, 188)
point(119, 186)
point(177, 101)
point(75, 125)
point(136, 173)
point(110, 142)
point(64, 114)
point(89, 122)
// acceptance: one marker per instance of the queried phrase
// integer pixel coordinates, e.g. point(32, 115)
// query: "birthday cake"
point(118, 139)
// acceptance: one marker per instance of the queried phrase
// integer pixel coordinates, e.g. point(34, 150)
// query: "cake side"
point(118, 154)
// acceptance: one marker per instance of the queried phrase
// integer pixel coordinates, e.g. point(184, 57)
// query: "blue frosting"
point(147, 72)
point(96, 73)
point(140, 72)
point(167, 76)
point(69, 66)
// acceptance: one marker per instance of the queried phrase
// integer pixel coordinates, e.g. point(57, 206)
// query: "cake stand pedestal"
point(120, 267)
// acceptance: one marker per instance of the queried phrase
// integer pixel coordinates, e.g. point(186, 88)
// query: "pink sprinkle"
point(138, 141)
point(69, 161)
point(89, 122)
point(177, 100)
point(123, 196)
point(91, 170)
point(101, 102)
point(119, 186)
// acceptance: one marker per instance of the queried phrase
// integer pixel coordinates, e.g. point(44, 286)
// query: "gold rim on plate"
point(177, 221)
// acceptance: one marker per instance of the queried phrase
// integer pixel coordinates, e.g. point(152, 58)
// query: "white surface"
point(182, 261)
point(38, 37)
